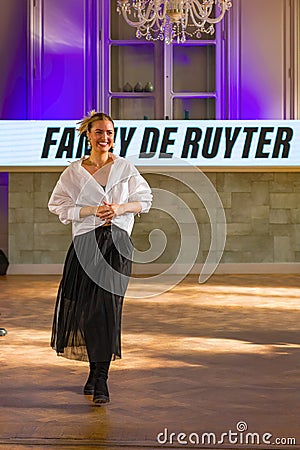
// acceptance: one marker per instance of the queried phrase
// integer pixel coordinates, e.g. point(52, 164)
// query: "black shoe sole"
point(101, 400)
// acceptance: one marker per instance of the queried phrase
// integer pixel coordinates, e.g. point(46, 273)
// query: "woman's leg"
point(101, 394)
point(97, 381)
point(90, 383)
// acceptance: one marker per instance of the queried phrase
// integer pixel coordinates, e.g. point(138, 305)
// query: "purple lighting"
point(63, 59)
point(13, 48)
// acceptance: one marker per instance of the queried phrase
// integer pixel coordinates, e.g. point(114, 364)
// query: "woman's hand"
point(108, 211)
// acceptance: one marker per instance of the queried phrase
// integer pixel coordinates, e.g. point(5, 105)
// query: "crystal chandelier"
point(171, 20)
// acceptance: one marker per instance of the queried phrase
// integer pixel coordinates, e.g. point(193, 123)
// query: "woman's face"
point(101, 135)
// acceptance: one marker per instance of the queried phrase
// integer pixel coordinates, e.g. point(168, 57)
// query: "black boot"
point(90, 383)
point(101, 394)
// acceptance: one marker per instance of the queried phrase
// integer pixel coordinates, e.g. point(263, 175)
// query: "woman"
point(99, 194)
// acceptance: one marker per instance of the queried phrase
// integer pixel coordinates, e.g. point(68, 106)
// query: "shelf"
point(194, 108)
point(194, 94)
point(194, 69)
point(196, 43)
point(135, 64)
point(133, 107)
point(132, 94)
point(129, 42)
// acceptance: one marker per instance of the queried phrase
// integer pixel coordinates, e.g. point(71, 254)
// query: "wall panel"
point(262, 53)
point(262, 213)
point(13, 54)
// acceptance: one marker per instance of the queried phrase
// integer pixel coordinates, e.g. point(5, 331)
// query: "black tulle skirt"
point(88, 310)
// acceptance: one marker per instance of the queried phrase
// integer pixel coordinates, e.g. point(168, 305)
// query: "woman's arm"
point(110, 210)
point(139, 192)
point(86, 211)
point(62, 204)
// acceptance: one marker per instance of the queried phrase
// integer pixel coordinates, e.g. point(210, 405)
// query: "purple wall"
point(13, 84)
point(262, 55)
point(13, 54)
point(63, 62)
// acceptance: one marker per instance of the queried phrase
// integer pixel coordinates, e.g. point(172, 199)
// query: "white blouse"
point(77, 188)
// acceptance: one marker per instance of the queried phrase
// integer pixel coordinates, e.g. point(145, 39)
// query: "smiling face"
point(101, 136)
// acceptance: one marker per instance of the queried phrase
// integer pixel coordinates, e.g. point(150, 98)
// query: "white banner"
point(263, 143)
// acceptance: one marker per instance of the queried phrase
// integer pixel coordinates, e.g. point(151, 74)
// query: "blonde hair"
point(86, 123)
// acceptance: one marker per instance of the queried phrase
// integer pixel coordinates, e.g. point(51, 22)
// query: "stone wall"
point(262, 213)
point(35, 235)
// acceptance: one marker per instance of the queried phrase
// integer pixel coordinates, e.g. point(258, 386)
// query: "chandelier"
point(171, 20)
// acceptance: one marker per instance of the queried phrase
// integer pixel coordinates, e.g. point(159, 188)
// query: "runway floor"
point(221, 358)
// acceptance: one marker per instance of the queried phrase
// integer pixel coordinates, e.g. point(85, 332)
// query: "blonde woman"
point(100, 194)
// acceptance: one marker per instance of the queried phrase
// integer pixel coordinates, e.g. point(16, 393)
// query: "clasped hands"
point(108, 211)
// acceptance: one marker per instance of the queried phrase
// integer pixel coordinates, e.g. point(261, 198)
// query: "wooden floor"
point(196, 359)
